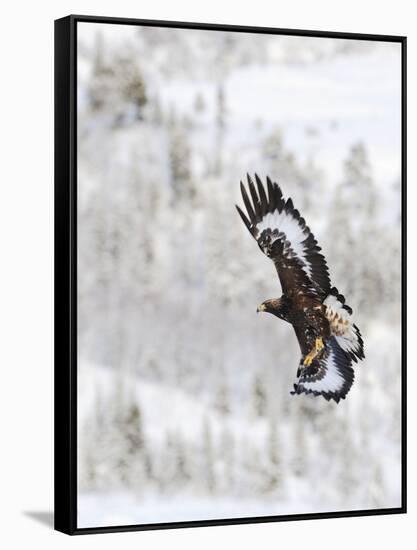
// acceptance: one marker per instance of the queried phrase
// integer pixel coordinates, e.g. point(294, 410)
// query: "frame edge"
point(64, 373)
point(235, 28)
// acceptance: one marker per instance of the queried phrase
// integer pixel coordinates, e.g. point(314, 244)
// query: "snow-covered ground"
point(103, 509)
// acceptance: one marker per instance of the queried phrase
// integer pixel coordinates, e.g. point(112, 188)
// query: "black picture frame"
point(66, 273)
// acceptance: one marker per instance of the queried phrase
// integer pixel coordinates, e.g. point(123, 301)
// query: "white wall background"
point(26, 286)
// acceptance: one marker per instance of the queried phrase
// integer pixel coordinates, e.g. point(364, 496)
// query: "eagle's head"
point(276, 306)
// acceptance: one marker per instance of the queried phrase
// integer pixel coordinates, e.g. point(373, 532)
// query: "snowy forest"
point(184, 405)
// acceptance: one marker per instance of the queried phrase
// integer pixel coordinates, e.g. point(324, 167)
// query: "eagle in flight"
point(328, 338)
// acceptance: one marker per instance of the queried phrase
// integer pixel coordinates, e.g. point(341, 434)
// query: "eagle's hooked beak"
point(262, 307)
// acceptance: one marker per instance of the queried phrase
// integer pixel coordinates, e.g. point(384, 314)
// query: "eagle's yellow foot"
point(318, 346)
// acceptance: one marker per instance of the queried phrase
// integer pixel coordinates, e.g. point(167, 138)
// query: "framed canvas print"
point(230, 274)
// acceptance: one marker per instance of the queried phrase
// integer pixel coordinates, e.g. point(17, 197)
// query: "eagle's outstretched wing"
point(330, 374)
point(282, 234)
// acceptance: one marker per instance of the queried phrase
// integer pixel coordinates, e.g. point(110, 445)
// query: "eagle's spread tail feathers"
point(347, 334)
point(330, 375)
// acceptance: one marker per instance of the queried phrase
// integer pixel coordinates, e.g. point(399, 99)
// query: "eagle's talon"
point(308, 359)
point(318, 346)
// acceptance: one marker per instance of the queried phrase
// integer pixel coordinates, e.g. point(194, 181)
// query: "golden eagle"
point(322, 321)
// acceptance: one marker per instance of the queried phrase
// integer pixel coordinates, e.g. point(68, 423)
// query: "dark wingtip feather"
point(262, 195)
point(271, 197)
point(289, 206)
point(244, 219)
point(255, 198)
point(249, 180)
point(278, 197)
point(248, 204)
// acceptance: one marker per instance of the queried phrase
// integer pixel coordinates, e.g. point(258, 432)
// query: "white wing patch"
point(294, 233)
